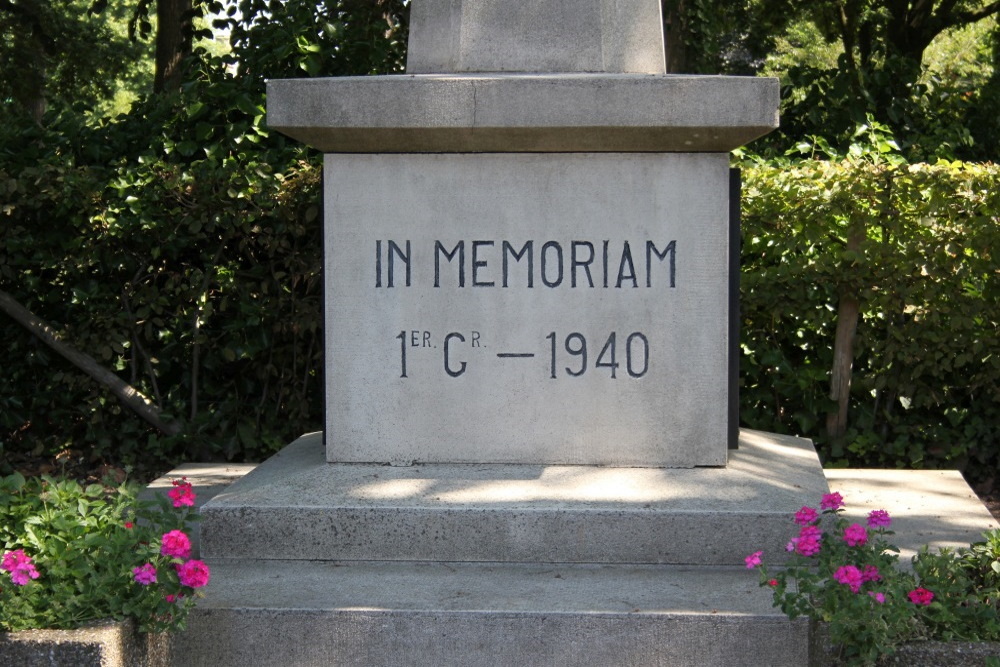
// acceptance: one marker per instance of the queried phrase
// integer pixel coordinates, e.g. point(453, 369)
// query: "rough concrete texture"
point(540, 36)
point(624, 261)
point(296, 506)
point(111, 644)
point(469, 615)
point(932, 507)
point(524, 112)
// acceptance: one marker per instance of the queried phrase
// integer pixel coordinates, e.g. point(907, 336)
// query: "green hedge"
point(926, 378)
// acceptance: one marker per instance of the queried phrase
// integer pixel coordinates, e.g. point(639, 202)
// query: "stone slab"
point(528, 308)
point(524, 112)
point(296, 506)
point(932, 507)
point(103, 644)
point(470, 615)
point(536, 36)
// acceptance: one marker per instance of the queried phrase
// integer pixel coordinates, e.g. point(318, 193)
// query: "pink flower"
point(790, 547)
point(144, 574)
point(193, 573)
point(753, 560)
point(13, 559)
point(807, 546)
point(849, 576)
point(20, 567)
point(855, 535)
point(871, 573)
point(175, 544)
point(879, 597)
point(808, 541)
point(806, 516)
point(173, 598)
point(879, 519)
point(832, 501)
point(772, 583)
point(129, 525)
point(921, 596)
point(182, 494)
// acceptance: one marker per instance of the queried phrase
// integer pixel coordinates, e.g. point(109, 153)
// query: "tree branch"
point(125, 392)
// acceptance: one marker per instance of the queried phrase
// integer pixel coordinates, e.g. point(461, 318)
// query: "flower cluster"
point(20, 566)
point(175, 545)
point(135, 554)
point(844, 573)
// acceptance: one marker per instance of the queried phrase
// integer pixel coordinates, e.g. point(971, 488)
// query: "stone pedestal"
point(529, 459)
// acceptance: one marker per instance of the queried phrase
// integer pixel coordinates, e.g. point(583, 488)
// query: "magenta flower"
point(20, 567)
point(831, 501)
point(806, 516)
point(172, 598)
point(182, 494)
point(193, 573)
point(855, 535)
point(921, 596)
point(175, 544)
point(14, 559)
point(879, 519)
point(871, 573)
point(807, 546)
point(753, 560)
point(879, 597)
point(850, 576)
point(144, 574)
point(790, 547)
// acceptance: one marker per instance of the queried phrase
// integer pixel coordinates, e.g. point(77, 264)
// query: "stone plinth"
point(528, 308)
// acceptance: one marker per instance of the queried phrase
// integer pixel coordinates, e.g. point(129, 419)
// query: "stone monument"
point(530, 262)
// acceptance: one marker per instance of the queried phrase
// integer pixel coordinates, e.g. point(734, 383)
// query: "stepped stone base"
point(471, 614)
point(297, 506)
point(293, 611)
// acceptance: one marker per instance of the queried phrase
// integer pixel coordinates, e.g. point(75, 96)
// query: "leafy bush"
point(926, 374)
point(77, 554)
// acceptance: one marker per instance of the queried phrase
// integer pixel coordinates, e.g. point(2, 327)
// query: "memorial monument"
point(531, 261)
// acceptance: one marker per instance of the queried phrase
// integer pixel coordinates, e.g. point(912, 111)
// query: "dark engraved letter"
point(393, 248)
point(447, 366)
point(605, 243)
point(476, 264)
point(559, 263)
point(529, 249)
point(626, 259)
point(378, 263)
point(459, 250)
point(575, 262)
point(650, 251)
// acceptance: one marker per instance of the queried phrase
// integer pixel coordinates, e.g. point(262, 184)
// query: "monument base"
point(292, 609)
point(297, 506)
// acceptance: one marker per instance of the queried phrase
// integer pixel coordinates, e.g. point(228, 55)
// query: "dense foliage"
point(926, 377)
point(178, 246)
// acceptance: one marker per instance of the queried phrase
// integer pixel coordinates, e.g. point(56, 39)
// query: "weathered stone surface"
point(296, 506)
point(540, 36)
point(107, 644)
point(479, 615)
point(606, 343)
point(524, 113)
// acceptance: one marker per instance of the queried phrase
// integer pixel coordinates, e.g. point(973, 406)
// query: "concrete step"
point(297, 506)
point(307, 613)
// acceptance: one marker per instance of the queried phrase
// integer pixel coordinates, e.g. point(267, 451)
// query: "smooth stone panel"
point(536, 36)
point(524, 112)
point(296, 506)
point(607, 346)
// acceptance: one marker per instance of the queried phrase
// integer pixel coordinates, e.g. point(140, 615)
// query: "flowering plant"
point(846, 575)
point(74, 554)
